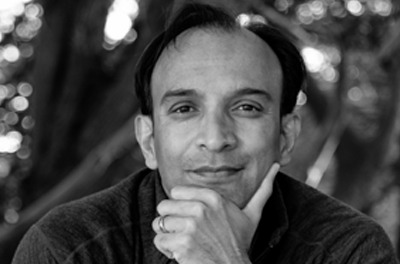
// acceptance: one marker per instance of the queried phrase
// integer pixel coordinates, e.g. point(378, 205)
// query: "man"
point(215, 127)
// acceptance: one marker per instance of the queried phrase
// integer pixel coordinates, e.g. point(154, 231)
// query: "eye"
point(181, 109)
point(248, 108)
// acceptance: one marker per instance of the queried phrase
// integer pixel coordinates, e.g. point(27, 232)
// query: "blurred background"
point(67, 101)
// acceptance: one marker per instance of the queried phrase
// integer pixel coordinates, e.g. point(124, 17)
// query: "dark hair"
point(205, 16)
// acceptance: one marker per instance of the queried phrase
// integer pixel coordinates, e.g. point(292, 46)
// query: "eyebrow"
point(178, 93)
point(182, 92)
point(253, 91)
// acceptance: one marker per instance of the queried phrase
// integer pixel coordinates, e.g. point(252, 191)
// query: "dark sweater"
point(299, 225)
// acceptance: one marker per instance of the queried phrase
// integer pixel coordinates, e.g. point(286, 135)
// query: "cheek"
point(166, 148)
point(262, 139)
point(168, 161)
point(171, 141)
point(171, 146)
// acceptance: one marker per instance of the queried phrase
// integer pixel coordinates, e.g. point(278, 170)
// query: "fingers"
point(172, 224)
point(173, 246)
point(180, 207)
point(190, 193)
point(256, 204)
point(162, 243)
point(179, 214)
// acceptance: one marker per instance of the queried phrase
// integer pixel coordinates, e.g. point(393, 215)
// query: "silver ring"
point(162, 225)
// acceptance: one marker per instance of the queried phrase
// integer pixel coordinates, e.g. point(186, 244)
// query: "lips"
point(218, 171)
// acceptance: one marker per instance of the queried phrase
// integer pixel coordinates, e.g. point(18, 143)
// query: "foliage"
point(19, 24)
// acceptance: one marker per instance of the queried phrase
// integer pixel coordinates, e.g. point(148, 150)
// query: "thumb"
point(256, 204)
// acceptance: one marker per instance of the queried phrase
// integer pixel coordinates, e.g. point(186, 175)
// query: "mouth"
point(216, 173)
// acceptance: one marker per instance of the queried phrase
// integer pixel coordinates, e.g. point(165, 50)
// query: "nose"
point(217, 133)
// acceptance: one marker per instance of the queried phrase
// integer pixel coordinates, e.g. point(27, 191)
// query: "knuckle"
point(154, 224)
point(160, 207)
point(199, 210)
point(187, 242)
point(215, 200)
point(157, 240)
point(191, 225)
point(176, 190)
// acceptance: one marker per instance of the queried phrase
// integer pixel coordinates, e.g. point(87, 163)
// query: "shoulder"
point(333, 229)
point(97, 223)
point(306, 204)
point(107, 208)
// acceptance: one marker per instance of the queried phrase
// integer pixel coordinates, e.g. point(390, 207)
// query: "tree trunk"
point(361, 162)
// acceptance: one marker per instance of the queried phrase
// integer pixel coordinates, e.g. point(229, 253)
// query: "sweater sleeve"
point(34, 249)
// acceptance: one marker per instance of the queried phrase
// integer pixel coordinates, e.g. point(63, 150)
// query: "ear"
point(145, 137)
point(290, 130)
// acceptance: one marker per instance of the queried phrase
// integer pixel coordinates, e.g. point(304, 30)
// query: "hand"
point(206, 228)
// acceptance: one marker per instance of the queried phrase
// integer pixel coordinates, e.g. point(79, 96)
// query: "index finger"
point(256, 204)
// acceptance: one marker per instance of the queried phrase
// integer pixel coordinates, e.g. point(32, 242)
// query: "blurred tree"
point(83, 94)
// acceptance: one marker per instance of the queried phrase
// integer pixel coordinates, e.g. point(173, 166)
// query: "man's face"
point(216, 124)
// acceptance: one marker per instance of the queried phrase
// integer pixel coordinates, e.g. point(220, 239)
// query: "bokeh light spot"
point(355, 7)
point(382, 7)
point(15, 135)
point(11, 118)
point(11, 91)
point(281, 5)
point(129, 7)
point(26, 50)
point(9, 143)
point(22, 31)
point(131, 36)
point(318, 9)
point(11, 53)
point(243, 19)
point(355, 94)
point(3, 92)
point(304, 14)
point(117, 26)
point(337, 9)
point(27, 122)
point(19, 103)
point(18, 8)
point(6, 5)
point(119, 22)
point(6, 23)
point(23, 153)
point(329, 74)
point(35, 24)
point(11, 216)
point(33, 11)
point(25, 89)
point(313, 58)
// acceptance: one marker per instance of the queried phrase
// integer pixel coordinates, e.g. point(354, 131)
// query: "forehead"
point(239, 53)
